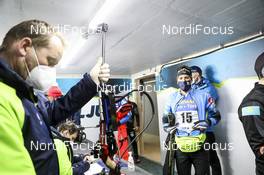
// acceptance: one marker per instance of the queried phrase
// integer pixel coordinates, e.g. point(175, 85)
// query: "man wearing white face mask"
point(27, 60)
point(41, 77)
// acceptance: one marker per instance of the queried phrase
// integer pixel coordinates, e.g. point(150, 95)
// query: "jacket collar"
point(259, 86)
point(12, 79)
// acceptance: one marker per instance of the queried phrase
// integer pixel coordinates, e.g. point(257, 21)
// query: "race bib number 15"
point(186, 119)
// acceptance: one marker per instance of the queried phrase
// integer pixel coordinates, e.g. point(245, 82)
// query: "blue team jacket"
point(205, 104)
point(206, 86)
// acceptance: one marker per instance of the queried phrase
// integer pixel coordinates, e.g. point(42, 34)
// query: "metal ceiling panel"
point(135, 41)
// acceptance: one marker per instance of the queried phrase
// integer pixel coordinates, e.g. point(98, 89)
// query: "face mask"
point(184, 85)
point(41, 77)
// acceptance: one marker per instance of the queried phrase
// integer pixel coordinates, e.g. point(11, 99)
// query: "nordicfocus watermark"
point(196, 29)
point(206, 146)
point(43, 30)
point(125, 87)
point(42, 146)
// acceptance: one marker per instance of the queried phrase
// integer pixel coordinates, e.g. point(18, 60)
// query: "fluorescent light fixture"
point(72, 50)
point(104, 11)
point(78, 42)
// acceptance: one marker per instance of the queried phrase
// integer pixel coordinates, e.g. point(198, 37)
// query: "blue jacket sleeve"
point(74, 100)
point(213, 114)
point(213, 92)
point(167, 110)
point(77, 158)
point(126, 118)
point(80, 168)
point(209, 88)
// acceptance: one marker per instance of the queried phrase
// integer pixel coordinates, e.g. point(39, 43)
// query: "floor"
point(150, 160)
point(150, 166)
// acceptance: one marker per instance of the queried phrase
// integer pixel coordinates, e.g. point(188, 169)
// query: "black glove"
point(169, 119)
point(202, 124)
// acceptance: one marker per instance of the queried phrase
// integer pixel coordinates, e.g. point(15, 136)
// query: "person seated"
point(77, 165)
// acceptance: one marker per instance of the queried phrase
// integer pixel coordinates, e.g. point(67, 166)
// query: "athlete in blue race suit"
point(194, 112)
point(194, 102)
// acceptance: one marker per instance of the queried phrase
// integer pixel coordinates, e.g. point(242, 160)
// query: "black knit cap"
point(184, 70)
point(196, 69)
point(259, 65)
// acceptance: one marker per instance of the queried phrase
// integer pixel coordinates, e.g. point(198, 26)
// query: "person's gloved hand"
point(100, 72)
point(202, 125)
point(90, 159)
point(169, 119)
point(168, 122)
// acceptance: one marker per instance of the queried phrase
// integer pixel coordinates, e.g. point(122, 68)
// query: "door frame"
point(137, 97)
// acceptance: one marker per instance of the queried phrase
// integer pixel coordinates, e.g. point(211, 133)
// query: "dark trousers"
point(132, 134)
point(199, 159)
point(213, 158)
